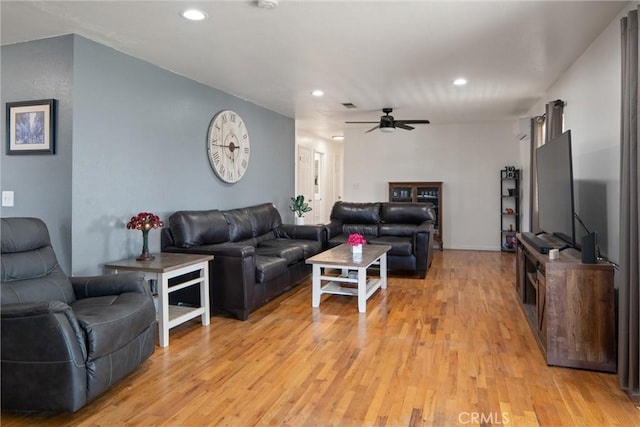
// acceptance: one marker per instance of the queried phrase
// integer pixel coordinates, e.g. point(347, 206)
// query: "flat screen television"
point(555, 188)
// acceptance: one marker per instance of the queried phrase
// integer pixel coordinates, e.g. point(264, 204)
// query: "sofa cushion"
point(356, 213)
point(111, 322)
point(307, 247)
point(29, 268)
point(401, 230)
point(364, 229)
point(239, 223)
point(268, 268)
point(310, 247)
point(402, 246)
point(55, 286)
point(264, 218)
point(405, 213)
point(281, 248)
point(196, 228)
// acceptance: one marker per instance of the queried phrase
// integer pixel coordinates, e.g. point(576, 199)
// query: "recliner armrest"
point(36, 332)
point(109, 284)
point(42, 342)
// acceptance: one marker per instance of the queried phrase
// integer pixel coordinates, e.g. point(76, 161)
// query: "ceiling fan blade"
point(361, 122)
point(373, 128)
point(403, 126)
point(412, 122)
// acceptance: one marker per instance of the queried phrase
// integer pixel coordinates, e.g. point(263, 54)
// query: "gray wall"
point(139, 144)
point(591, 89)
point(41, 183)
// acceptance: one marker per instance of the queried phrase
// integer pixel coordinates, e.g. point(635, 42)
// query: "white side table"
point(164, 267)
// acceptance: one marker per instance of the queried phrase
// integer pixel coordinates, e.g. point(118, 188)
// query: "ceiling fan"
point(389, 124)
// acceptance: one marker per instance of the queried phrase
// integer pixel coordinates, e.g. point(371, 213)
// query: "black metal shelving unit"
point(509, 208)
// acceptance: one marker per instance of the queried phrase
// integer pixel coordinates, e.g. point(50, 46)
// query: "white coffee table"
point(347, 283)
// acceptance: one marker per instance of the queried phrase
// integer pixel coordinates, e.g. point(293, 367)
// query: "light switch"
point(7, 198)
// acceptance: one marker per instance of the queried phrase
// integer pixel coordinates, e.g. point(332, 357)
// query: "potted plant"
point(299, 207)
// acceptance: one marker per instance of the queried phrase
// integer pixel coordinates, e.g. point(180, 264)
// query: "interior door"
point(336, 175)
point(304, 184)
point(319, 187)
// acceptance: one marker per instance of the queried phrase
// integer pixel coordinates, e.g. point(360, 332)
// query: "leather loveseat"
point(406, 227)
point(65, 340)
point(256, 257)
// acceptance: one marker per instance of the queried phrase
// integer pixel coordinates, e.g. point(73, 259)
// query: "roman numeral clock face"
point(228, 146)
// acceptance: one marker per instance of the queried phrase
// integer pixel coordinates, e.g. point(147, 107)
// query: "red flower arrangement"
point(144, 222)
point(356, 239)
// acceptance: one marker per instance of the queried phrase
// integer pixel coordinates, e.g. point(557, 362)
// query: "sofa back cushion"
point(397, 230)
point(356, 213)
point(30, 270)
point(239, 223)
point(406, 213)
point(196, 228)
point(264, 219)
point(364, 229)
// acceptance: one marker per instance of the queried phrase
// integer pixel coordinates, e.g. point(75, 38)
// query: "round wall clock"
point(228, 146)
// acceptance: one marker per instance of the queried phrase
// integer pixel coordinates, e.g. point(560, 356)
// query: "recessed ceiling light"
point(338, 138)
point(268, 4)
point(317, 92)
point(193, 14)
point(460, 81)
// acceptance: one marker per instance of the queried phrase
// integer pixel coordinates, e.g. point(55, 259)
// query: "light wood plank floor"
point(453, 349)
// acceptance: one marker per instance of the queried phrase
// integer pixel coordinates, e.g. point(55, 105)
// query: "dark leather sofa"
point(406, 227)
point(256, 257)
point(65, 341)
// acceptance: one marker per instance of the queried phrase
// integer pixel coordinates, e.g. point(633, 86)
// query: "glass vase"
point(145, 255)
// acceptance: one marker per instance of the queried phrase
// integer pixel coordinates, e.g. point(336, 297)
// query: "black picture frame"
point(31, 127)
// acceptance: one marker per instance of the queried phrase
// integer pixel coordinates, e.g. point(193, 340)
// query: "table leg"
point(163, 310)
point(315, 286)
point(383, 270)
point(204, 293)
point(362, 289)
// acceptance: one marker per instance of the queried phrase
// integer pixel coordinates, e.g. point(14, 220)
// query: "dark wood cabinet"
point(569, 306)
point(421, 192)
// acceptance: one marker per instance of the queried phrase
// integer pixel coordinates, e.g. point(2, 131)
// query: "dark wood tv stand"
point(570, 307)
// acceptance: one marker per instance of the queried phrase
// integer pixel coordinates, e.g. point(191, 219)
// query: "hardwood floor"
point(452, 349)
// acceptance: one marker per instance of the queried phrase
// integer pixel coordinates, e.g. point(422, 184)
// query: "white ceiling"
point(401, 54)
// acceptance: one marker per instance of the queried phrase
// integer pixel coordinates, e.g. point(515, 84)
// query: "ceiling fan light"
point(387, 129)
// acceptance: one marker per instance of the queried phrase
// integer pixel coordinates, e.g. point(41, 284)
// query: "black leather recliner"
point(65, 341)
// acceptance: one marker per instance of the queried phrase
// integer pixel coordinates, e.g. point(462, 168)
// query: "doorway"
point(305, 185)
point(318, 187)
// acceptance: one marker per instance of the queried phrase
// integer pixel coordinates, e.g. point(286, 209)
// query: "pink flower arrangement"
point(356, 239)
point(144, 221)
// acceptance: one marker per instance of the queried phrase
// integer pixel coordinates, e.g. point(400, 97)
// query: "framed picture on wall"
point(31, 127)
